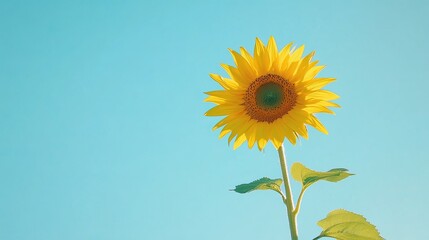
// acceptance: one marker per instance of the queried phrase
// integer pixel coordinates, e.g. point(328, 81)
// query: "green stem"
point(298, 203)
point(289, 198)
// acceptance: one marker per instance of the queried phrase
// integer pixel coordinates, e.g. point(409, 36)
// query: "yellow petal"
point(278, 136)
point(222, 110)
point(247, 56)
point(322, 95)
point(216, 100)
point(225, 97)
point(224, 132)
point(310, 74)
point(313, 121)
point(272, 49)
point(235, 74)
point(251, 135)
point(246, 70)
point(317, 83)
point(310, 101)
point(288, 132)
point(261, 132)
point(283, 59)
point(296, 55)
point(317, 109)
point(225, 83)
point(330, 104)
point(226, 120)
point(231, 136)
point(240, 140)
point(239, 126)
point(297, 126)
point(304, 65)
point(229, 94)
point(262, 59)
point(261, 143)
point(288, 74)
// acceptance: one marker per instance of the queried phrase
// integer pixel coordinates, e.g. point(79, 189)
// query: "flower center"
point(269, 97)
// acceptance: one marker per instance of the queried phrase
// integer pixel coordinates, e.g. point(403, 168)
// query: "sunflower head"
point(270, 96)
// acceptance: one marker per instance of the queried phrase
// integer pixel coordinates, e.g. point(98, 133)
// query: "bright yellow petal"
point(316, 83)
point(262, 59)
point(322, 95)
point(277, 134)
point(272, 49)
point(313, 121)
point(240, 140)
point(304, 66)
point(310, 74)
point(225, 83)
point(225, 97)
point(222, 110)
point(247, 56)
point(297, 126)
point(261, 143)
point(316, 109)
point(239, 126)
point(230, 94)
point(235, 74)
point(283, 59)
point(288, 74)
point(224, 132)
point(316, 103)
point(227, 120)
point(288, 132)
point(247, 71)
point(261, 135)
point(329, 104)
point(251, 135)
point(296, 55)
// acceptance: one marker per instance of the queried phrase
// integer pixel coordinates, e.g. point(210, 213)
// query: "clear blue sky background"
point(102, 133)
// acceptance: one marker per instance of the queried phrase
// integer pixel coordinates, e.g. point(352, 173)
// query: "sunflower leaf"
point(307, 176)
point(260, 184)
point(344, 225)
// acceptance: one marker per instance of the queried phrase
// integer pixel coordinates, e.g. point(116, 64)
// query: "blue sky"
point(102, 133)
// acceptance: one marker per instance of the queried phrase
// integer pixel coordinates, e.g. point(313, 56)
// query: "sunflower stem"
point(298, 203)
point(289, 198)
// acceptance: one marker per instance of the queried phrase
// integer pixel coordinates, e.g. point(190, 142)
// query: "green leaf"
point(344, 225)
point(307, 176)
point(261, 184)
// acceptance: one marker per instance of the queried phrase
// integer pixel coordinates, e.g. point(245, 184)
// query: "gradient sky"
point(102, 133)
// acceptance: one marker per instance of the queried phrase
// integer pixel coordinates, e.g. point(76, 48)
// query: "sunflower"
point(270, 96)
